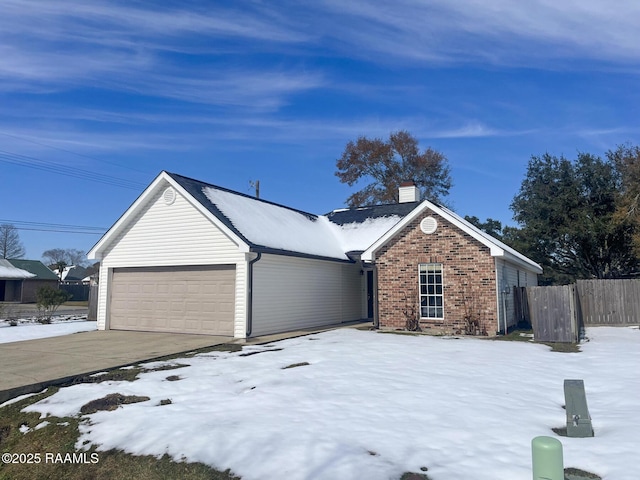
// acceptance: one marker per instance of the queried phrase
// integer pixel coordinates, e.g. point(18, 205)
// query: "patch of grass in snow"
point(111, 402)
point(225, 347)
point(248, 354)
point(126, 375)
point(517, 335)
point(162, 368)
point(116, 375)
point(562, 347)
point(77, 303)
point(577, 474)
point(294, 365)
point(60, 437)
point(414, 476)
point(401, 332)
point(525, 336)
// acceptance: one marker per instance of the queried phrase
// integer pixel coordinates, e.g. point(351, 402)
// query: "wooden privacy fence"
point(80, 292)
point(558, 313)
point(554, 314)
point(609, 302)
point(93, 303)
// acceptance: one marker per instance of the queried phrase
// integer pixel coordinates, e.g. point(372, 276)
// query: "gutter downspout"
point(250, 295)
point(376, 316)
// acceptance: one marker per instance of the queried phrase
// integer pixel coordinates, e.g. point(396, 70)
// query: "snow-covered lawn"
point(30, 329)
point(372, 406)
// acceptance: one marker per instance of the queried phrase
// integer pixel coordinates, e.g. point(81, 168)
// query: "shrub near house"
point(48, 301)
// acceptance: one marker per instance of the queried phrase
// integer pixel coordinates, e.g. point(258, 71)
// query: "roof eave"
point(291, 253)
point(529, 265)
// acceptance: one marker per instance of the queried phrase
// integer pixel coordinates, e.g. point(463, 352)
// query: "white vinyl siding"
point(172, 235)
point(292, 293)
point(509, 276)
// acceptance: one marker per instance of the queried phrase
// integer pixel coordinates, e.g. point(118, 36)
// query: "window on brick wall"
point(431, 298)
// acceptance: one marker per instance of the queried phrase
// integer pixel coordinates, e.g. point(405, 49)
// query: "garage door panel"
point(174, 299)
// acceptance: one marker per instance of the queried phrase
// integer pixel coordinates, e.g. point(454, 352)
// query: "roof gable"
point(162, 181)
point(496, 247)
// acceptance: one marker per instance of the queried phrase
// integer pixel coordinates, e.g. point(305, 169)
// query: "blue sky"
point(96, 98)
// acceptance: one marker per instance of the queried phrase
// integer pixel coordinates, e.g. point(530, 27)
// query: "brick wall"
point(469, 278)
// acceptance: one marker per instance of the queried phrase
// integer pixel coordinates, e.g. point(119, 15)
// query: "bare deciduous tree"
point(387, 164)
point(68, 256)
point(10, 244)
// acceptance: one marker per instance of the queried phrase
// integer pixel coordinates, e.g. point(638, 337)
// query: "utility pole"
point(255, 185)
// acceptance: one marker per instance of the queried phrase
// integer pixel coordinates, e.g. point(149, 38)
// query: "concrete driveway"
point(31, 365)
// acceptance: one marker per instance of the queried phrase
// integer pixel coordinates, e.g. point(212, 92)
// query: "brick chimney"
point(408, 192)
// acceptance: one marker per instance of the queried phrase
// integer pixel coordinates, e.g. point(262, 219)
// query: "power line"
point(58, 231)
point(72, 152)
point(36, 163)
point(54, 227)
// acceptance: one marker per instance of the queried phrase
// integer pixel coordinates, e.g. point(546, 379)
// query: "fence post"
point(547, 461)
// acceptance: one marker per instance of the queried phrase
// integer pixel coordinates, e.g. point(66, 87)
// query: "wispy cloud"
point(133, 49)
point(469, 130)
point(498, 31)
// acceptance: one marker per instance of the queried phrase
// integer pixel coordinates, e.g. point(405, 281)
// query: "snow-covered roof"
point(261, 226)
point(71, 272)
point(358, 236)
point(269, 225)
point(9, 272)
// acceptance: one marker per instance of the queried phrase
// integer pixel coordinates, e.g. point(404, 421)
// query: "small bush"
point(48, 300)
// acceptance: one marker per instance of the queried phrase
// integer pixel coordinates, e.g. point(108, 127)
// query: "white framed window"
point(430, 290)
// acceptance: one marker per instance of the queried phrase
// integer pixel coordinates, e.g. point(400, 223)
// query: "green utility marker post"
point(546, 455)
point(578, 418)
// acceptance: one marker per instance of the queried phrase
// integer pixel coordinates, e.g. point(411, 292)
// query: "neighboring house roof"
point(262, 226)
point(36, 267)
point(70, 273)
point(9, 272)
point(74, 272)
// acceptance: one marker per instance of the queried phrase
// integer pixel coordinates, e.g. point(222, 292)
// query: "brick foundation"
point(469, 278)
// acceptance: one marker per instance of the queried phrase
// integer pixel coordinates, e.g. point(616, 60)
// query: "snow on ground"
point(29, 330)
point(374, 405)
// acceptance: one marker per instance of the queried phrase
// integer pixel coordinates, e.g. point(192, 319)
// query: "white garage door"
point(196, 299)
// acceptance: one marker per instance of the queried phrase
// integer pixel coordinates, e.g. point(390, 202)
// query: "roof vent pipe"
point(408, 192)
